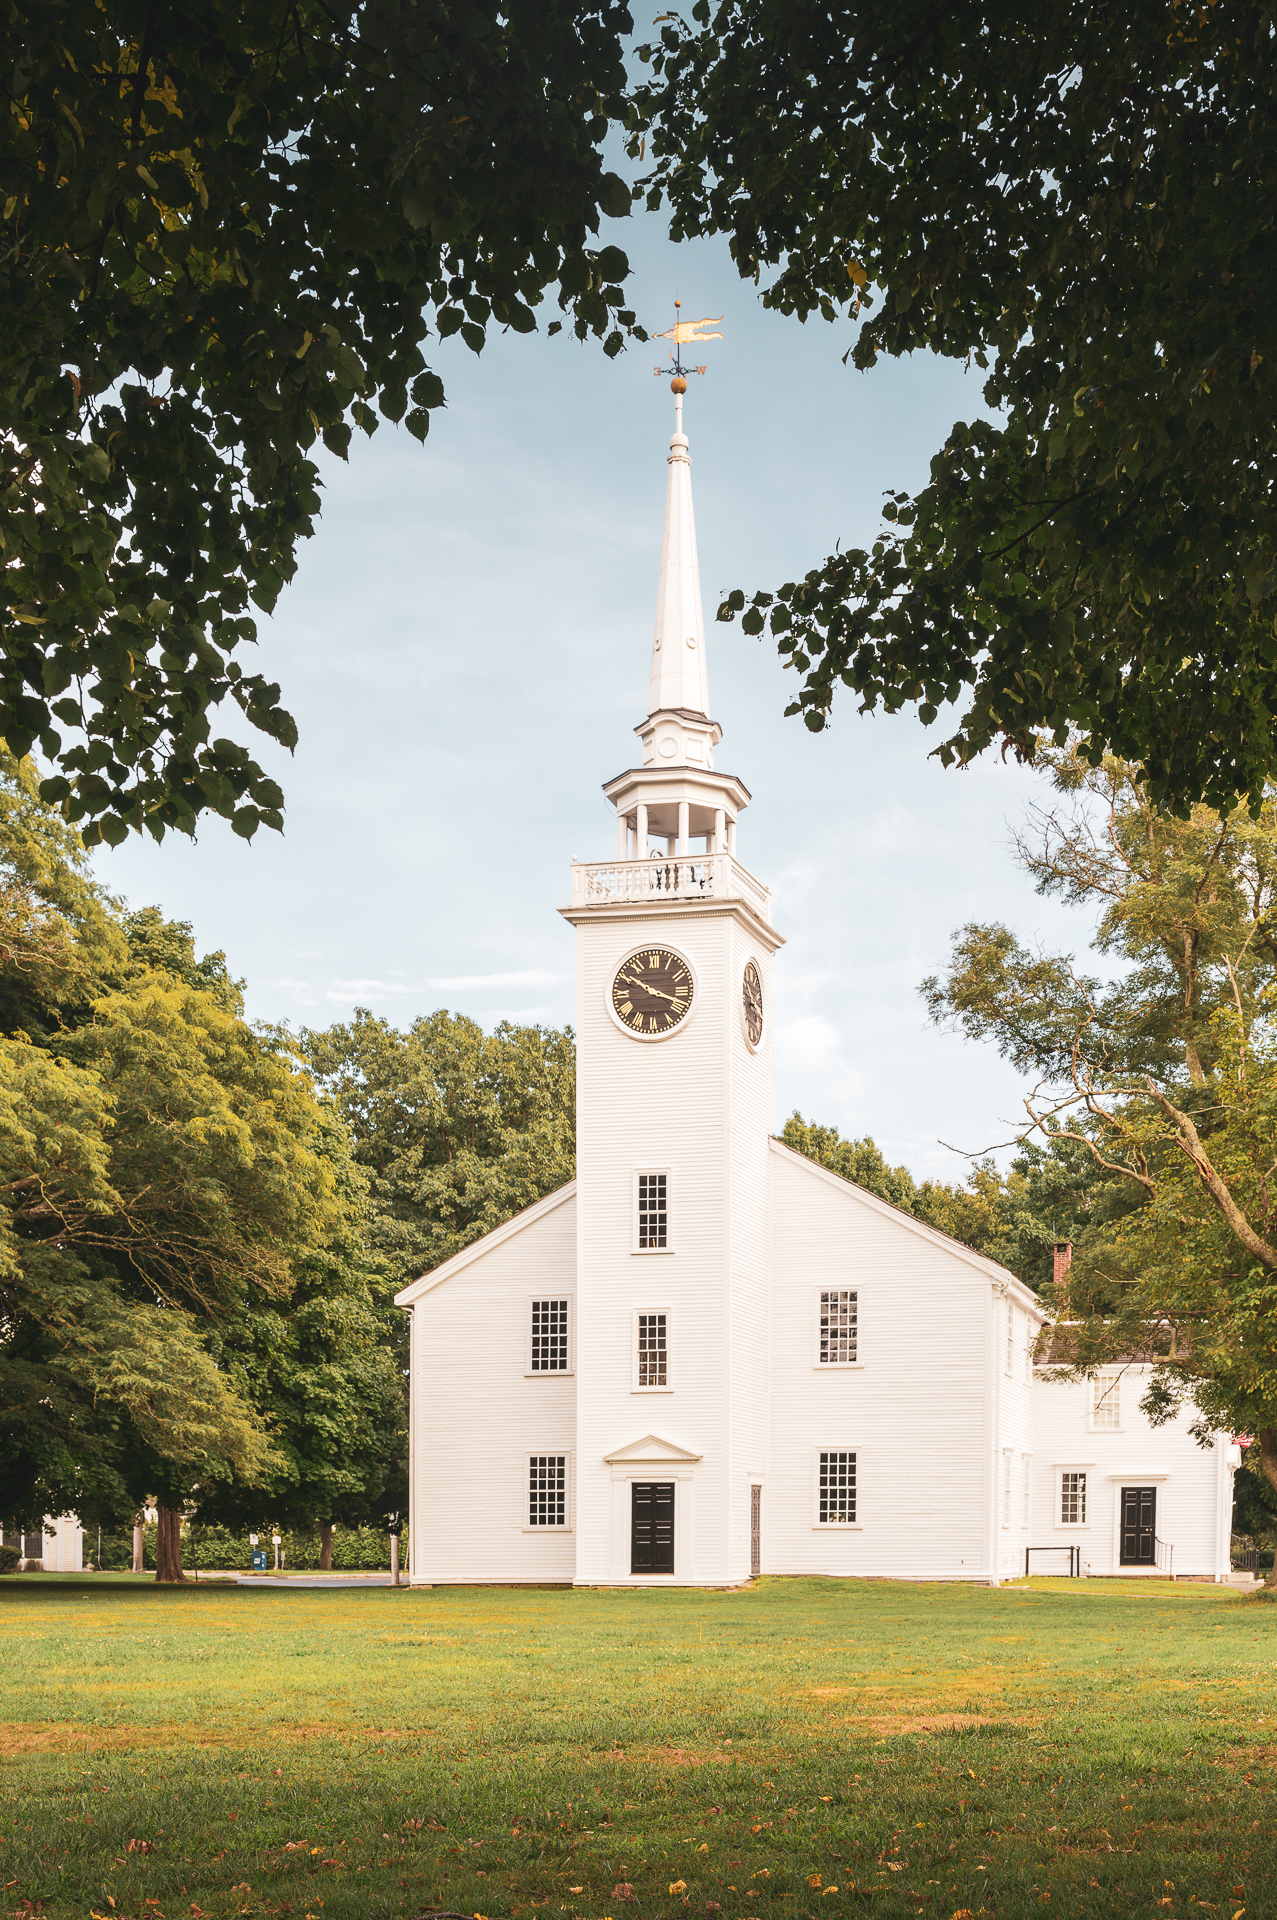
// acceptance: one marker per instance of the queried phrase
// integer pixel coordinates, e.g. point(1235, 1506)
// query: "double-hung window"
point(836, 1489)
point(1006, 1486)
point(1026, 1468)
point(1072, 1499)
point(839, 1327)
point(652, 1213)
point(549, 1336)
point(652, 1351)
point(1106, 1403)
point(547, 1490)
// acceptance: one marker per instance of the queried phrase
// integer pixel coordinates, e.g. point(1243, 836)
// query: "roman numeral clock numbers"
point(652, 992)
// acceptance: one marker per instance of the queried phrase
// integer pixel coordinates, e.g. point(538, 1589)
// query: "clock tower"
point(674, 1024)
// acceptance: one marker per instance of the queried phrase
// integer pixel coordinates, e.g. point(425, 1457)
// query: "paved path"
point(307, 1580)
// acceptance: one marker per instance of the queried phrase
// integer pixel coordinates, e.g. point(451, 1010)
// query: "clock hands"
point(641, 986)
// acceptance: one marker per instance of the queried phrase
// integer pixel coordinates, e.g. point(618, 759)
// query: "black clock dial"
point(652, 992)
point(752, 1000)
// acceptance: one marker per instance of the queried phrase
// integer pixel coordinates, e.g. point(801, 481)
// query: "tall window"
point(1026, 1468)
point(653, 1210)
point(1006, 1486)
point(549, 1336)
point(1072, 1499)
point(547, 1490)
point(838, 1315)
point(1106, 1402)
point(653, 1351)
point(837, 1489)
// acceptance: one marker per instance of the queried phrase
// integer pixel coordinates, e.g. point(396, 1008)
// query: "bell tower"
point(674, 1022)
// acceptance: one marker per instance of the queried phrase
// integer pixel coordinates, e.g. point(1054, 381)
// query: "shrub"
point(9, 1558)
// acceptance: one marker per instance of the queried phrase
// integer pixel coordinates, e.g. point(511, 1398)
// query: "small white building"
point(54, 1546)
point(707, 1357)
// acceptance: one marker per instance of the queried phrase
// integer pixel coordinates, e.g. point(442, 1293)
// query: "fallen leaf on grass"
point(678, 1886)
point(623, 1891)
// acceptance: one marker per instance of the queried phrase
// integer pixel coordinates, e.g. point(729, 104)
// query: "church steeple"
point(680, 679)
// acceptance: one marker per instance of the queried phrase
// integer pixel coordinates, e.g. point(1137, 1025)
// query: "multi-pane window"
point(837, 1489)
point(653, 1210)
point(547, 1490)
point(1106, 1403)
point(1006, 1486)
point(549, 1336)
point(653, 1350)
point(1072, 1499)
point(1026, 1468)
point(838, 1317)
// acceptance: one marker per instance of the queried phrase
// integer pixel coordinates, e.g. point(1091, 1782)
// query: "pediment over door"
point(652, 1451)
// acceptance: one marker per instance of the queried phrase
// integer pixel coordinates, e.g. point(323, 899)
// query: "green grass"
point(1064, 1747)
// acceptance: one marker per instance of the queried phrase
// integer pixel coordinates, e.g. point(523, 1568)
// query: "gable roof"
point(991, 1270)
point(427, 1282)
point(651, 1450)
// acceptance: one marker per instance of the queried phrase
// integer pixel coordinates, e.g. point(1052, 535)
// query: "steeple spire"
point(680, 680)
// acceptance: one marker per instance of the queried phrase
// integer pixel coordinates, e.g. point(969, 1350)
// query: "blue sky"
point(466, 651)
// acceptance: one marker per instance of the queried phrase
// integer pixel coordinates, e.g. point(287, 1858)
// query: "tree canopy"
point(225, 233)
point(1073, 200)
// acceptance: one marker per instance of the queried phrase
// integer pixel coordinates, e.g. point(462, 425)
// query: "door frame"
point(1136, 1487)
point(623, 1477)
point(1159, 1482)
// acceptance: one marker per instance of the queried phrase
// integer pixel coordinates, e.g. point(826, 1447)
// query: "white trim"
point(564, 1373)
point(635, 1312)
point(1139, 1479)
point(1060, 1524)
point(837, 1366)
point(569, 1489)
point(1008, 1454)
point(648, 1253)
point(647, 1039)
point(989, 1269)
point(426, 1282)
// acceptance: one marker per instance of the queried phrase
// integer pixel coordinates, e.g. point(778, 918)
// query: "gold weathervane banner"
point(685, 333)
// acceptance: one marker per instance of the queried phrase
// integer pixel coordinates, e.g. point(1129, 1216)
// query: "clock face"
point(752, 1003)
point(652, 992)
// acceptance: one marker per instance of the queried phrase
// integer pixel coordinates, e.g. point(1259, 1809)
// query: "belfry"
point(707, 1358)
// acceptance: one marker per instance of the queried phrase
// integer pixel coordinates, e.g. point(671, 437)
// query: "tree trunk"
point(139, 1545)
point(394, 1558)
point(1266, 1440)
point(326, 1546)
point(168, 1546)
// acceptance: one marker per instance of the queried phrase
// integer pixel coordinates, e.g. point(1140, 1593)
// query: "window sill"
point(649, 1253)
point(838, 1366)
point(644, 1391)
point(546, 1373)
point(838, 1526)
point(1072, 1526)
point(558, 1530)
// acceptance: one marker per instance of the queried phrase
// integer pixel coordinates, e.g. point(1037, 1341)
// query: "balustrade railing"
point(714, 876)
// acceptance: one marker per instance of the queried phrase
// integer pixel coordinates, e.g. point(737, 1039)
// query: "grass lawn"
point(804, 1747)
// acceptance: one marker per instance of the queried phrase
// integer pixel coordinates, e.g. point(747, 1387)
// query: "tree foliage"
point(225, 233)
point(1162, 1076)
point(186, 1301)
point(458, 1130)
point(1074, 200)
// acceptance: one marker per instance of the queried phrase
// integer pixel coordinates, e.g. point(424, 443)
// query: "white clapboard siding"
point(1193, 1484)
point(477, 1417)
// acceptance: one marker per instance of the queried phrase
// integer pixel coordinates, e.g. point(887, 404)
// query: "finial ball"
point(678, 384)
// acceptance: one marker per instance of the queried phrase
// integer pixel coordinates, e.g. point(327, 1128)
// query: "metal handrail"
point(1074, 1553)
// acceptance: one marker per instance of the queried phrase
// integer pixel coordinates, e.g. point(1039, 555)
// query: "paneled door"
point(755, 1532)
point(1139, 1527)
point(652, 1535)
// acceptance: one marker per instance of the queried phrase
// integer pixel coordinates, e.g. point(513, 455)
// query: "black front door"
point(1139, 1527)
point(652, 1537)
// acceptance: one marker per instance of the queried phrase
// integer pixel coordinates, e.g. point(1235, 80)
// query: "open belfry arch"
point(707, 1358)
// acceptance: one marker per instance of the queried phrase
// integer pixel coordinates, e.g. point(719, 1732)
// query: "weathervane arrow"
point(686, 333)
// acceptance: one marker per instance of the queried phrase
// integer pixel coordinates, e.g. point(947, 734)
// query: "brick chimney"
point(1063, 1261)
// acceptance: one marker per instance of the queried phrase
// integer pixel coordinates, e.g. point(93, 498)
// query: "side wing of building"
point(493, 1405)
point(901, 1391)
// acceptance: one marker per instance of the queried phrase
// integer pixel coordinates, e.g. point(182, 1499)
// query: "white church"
point(708, 1358)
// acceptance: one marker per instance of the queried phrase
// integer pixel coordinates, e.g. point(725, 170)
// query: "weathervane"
point(685, 333)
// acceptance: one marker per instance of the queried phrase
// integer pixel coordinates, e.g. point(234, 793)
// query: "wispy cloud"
point(454, 983)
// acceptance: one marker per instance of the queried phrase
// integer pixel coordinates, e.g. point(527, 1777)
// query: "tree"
point(224, 229)
point(167, 1172)
point(1164, 1078)
point(458, 1130)
point(1073, 199)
